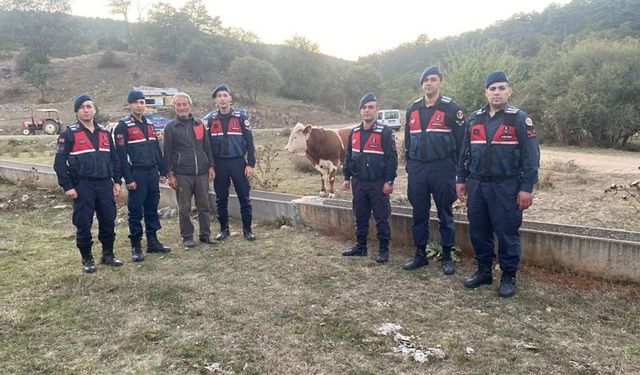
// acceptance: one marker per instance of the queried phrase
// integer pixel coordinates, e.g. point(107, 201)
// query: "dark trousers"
point(143, 202)
point(437, 179)
point(94, 196)
point(368, 197)
point(493, 208)
point(227, 171)
point(196, 187)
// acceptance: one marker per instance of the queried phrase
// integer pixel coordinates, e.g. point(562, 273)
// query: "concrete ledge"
point(608, 254)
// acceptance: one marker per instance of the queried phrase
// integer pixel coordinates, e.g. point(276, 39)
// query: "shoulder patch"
point(247, 124)
point(460, 115)
point(74, 127)
point(528, 121)
point(446, 99)
point(511, 109)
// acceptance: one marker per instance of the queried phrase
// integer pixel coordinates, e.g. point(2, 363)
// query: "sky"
point(346, 28)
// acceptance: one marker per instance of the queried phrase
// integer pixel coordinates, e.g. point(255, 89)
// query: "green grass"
point(285, 304)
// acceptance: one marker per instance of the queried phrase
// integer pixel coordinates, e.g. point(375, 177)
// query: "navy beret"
point(429, 71)
point(493, 77)
point(77, 102)
point(220, 87)
point(134, 96)
point(368, 97)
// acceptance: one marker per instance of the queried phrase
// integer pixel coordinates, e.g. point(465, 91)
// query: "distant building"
point(158, 97)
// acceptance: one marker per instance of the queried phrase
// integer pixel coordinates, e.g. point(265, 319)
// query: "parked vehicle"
point(391, 118)
point(47, 120)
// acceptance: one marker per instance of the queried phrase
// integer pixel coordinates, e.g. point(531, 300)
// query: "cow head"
point(298, 139)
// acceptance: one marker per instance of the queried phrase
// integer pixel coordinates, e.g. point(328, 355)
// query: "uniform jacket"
point(231, 137)
point(82, 154)
point(137, 146)
point(434, 133)
point(186, 147)
point(371, 154)
point(500, 147)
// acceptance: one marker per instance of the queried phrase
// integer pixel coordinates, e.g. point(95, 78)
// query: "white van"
point(391, 118)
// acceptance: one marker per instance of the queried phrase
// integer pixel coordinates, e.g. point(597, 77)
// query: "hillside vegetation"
point(574, 68)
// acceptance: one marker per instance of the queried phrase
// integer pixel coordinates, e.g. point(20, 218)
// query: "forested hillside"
point(575, 68)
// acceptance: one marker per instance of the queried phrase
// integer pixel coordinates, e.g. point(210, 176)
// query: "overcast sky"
point(347, 28)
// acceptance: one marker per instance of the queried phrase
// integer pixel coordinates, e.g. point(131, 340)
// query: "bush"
point(108, 59)
point(302, 164)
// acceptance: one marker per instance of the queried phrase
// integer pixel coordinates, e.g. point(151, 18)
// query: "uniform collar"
point(134, 119)
point(373, 126)
point(423, 102)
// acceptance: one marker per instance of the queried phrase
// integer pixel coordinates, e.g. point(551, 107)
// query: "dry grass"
point(286, 304)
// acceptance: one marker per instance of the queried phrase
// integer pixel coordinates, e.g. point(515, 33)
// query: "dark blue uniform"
point(433, 138)
point(500, 157)
point(141, 162)
point(370, 161)
point(232, 150)
point(88, 163)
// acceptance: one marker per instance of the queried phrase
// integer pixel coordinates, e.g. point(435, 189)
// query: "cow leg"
point(331, 177)
point(320, 168)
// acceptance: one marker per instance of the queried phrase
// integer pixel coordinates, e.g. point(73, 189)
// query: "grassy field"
point(285, 304)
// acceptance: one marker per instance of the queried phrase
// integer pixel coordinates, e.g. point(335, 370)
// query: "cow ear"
point(307, 129)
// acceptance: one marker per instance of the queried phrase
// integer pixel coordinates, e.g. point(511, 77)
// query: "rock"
point(166, 212)
point(285, 227)
point(387, 328)
point(469, 350)
point(60, 207)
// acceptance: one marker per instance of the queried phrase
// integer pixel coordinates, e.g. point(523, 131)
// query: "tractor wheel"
point(50, 127)
point(26, 131)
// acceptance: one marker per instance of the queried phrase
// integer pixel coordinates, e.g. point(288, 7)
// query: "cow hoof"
point(331, 196)
point(322, 194)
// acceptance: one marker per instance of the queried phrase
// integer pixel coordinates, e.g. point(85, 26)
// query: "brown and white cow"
point(324, 148)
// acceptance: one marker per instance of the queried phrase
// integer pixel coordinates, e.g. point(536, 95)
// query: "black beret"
point(77, 102)
point(493, 77)
point(220, 87)
point(134, 96)
point(368, 97)
point(429, 71)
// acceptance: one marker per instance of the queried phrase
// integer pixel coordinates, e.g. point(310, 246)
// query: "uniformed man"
point(234, 155)
point(369, 170)
point(142, 168)
point(88, 170)
point(434, 131)
point(498, 168)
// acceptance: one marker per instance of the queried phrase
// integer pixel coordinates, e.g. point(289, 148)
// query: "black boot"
point(419, 260)
point(383, 252)
point(154, 246)
point(108, 257)
point(88, 266)
point(87, 259)
point(224, 233)
point(507, 284)
point(447, 263)
point(360, 250)
point(482, 276)
point(248, 234)
point(136, 250)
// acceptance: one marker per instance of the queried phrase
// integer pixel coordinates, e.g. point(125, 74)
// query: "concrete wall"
point(608, 254)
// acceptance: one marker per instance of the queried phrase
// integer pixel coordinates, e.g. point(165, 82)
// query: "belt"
point(140, 168)
point(482, 178)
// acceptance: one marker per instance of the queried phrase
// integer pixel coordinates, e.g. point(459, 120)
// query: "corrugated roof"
point(157, 91)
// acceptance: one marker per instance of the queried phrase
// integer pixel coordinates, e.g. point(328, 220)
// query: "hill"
point(109, 87)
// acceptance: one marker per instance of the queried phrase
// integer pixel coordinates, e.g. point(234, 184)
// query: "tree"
point(121, 7)
point(302, 72)
point(590, 93)
point(254, 76)
point(39, 76)
point(464, 74)
point(240, 35)
point(301, 42)
point(196, 12)
point(357, 81)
